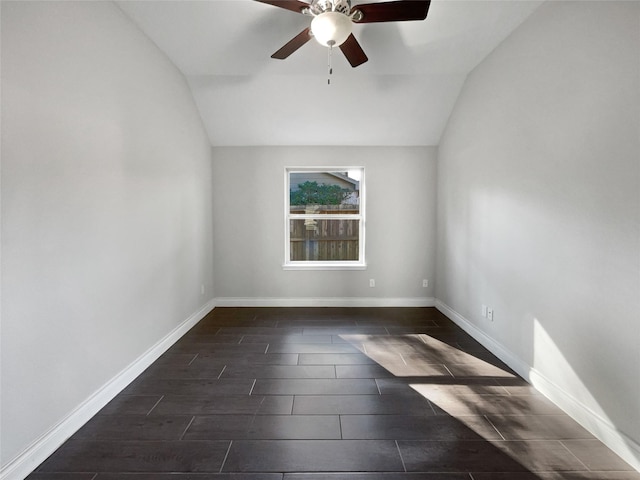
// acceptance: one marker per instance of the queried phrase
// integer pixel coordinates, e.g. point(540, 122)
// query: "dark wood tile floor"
point(328, 394)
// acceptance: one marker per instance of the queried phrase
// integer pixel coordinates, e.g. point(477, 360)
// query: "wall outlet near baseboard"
point(372, 282)
point(425, 283)
point(490, 313)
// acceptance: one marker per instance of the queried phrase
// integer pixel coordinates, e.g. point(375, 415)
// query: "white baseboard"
point(499, 350)
point(36, 453)
point(324, 302)
point(601, 428)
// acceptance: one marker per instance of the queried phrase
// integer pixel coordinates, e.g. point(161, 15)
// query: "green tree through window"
point(312, 193)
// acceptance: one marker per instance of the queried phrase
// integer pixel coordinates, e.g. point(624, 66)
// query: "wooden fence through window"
point(324, 239)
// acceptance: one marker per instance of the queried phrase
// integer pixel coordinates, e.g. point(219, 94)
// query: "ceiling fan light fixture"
point(331, 29)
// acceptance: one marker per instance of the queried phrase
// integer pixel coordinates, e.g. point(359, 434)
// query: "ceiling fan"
point(333, 21)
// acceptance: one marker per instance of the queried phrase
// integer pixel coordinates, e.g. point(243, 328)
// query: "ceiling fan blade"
point(399, 11)
point(353, 51)
point(294, 44)
point(293, 5)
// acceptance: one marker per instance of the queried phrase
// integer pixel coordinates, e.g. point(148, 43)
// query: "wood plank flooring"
point(329, 394)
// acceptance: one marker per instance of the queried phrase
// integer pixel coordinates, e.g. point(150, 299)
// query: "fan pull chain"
point(329, 64)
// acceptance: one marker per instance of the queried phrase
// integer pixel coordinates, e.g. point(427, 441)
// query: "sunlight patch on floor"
point(415, 355)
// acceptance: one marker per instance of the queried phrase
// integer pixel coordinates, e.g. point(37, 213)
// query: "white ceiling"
point(402, 96)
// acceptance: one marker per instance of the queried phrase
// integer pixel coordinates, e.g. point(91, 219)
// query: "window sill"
point(324, 266)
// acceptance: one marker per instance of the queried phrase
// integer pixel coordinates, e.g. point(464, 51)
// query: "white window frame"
point(359, 264)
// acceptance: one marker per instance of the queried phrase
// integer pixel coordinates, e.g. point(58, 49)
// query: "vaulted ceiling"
point(403, 95)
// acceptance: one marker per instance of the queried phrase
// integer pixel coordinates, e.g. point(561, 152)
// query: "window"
point(324, 218)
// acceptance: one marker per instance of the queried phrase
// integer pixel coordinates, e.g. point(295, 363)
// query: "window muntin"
point(324, 224)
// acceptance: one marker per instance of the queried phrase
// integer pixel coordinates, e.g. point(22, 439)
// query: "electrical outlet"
point(425, 283)
point(490, 314)
point(372, 282)
point(484, 311)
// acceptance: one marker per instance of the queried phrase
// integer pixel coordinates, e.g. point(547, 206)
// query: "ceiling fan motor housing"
point(321, 6)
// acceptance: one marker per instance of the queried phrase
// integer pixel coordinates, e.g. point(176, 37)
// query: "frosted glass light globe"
point(331, 28)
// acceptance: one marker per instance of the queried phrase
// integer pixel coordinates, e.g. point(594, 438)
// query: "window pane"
point(324, 240)
point(324, 193)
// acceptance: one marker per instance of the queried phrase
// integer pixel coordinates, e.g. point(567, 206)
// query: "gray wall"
point(107, 219)
point(106, 208)
point(248, 204)
point(539, 208)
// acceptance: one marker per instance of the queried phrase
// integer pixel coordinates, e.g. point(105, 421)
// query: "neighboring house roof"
point(327, 178)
